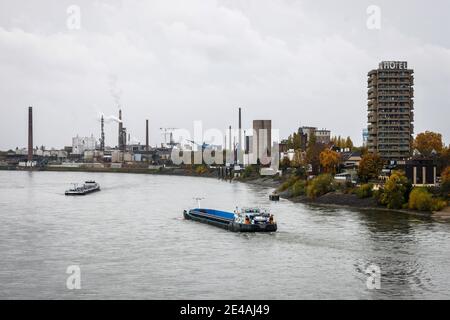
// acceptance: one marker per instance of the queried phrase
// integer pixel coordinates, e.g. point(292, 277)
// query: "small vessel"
point(274, 197)
point(248, 219)
point(85, 188)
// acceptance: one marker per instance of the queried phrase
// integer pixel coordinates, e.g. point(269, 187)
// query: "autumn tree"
point(396, 191)
point(341, 142)
point(313, 153)
point(329, 160)
point(297, 159)
point(370, 167)
point(445, 184)
point(338, 141)
point(445, 176)
point(294, 141)
point(298, 162)
point(428, 141)
point(349, 143)
point(443, 159)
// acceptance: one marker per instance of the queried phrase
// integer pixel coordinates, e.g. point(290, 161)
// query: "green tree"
point(320, 185)
point(294, 141)
point(421, 199)
point(364, 191)
point(396, 191)
point(288, 183)
point(299, 188)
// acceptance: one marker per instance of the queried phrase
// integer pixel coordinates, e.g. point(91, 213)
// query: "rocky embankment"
point(262, 181)
point(443, 214)
point(340, 199)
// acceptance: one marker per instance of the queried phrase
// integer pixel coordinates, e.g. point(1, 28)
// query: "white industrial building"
point(81, 144)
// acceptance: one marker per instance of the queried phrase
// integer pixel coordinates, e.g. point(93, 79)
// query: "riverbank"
point(443, 214)
point(338, 199)
point(161, 171)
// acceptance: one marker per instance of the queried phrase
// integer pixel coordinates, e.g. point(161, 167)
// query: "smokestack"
point(102, 138)
point(120, 131)
point(240, 128)
point(30, 133)
point(146, 136)
point(229, 138)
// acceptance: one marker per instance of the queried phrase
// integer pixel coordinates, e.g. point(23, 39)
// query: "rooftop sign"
point(402, 65)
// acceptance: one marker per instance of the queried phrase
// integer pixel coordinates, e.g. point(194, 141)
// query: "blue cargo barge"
point(244, 220)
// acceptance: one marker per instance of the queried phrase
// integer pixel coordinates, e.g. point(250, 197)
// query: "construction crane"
point(203, 146)
point(168, 131)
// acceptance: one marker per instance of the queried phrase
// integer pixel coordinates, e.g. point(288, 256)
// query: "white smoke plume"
point(116, 92)
point(108, 119)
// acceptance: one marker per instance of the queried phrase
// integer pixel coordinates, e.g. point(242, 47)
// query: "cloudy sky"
point(173, 62)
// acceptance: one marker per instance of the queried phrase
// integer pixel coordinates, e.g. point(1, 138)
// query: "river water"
point(130, 241)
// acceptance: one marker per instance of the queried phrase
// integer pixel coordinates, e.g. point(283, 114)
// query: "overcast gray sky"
point(295, 62)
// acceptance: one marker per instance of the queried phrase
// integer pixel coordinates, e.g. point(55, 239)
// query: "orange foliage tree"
point(428, 141)
point(329, 160)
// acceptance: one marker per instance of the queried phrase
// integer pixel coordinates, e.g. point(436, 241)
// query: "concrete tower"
point(102, 138)
point(30, 133)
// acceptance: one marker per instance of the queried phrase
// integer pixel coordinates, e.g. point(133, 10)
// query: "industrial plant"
point(90, 152)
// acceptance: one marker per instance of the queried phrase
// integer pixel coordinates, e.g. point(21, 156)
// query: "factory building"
point(305, 133)
point(262, 140)
point(82, 144)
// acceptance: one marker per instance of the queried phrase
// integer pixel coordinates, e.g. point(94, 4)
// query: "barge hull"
point(81, 193)
point(231, 225)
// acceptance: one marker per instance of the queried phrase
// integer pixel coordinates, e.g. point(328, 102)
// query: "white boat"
point(85, 188)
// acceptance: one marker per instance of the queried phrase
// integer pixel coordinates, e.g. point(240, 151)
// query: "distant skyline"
point(298, 63)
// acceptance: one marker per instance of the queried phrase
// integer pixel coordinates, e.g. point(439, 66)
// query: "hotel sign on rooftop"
point(393, 65)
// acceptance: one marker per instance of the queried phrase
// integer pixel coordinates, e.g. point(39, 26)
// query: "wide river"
point(130, 241)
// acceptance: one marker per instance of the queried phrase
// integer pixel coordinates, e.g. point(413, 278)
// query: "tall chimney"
point(102, 139)
point(146, 136)
point(120, 131)
point(239, 149)
point(30, 133)
point(229, 138)
point(240, 128)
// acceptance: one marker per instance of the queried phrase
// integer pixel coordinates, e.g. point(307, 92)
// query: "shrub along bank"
point(397, 193)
